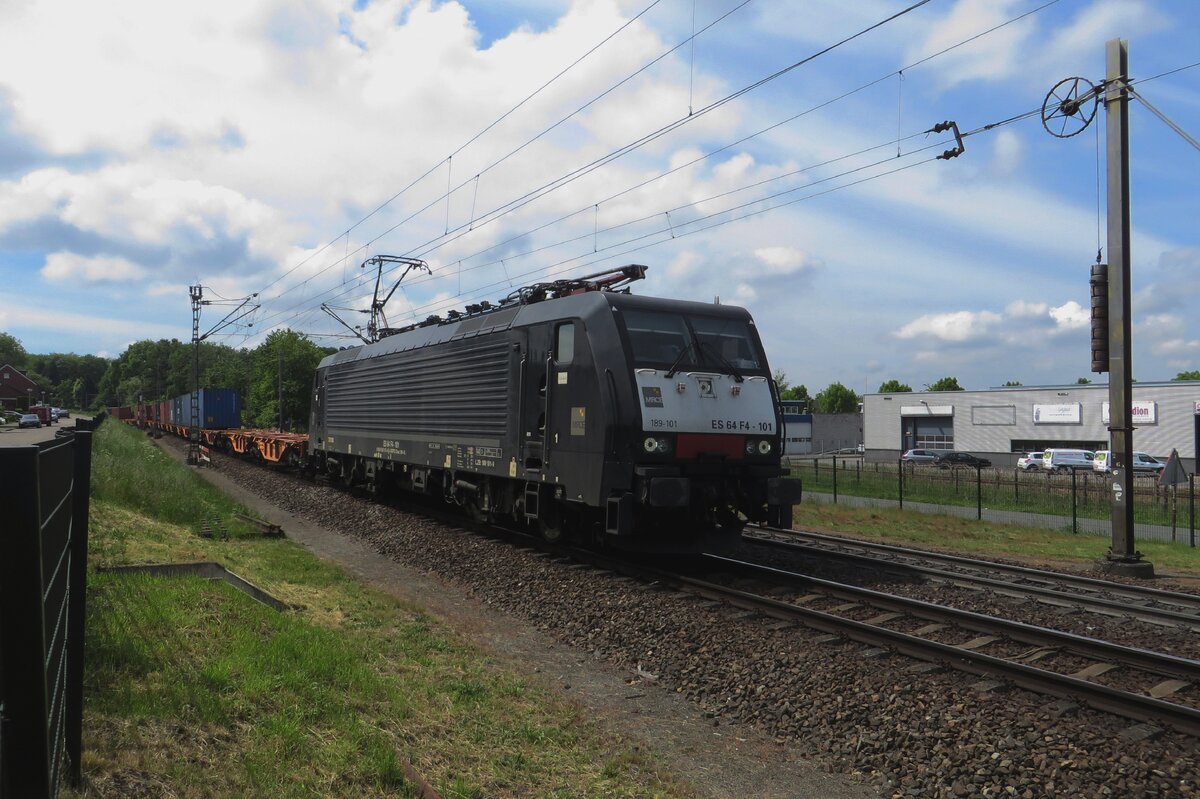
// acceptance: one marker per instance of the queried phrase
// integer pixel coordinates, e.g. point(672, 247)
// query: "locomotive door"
point(574, 441)
point(532, 424)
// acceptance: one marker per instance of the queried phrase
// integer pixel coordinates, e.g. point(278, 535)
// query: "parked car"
point(1030, 462)
point(63, 413)
point(917, 456)
point(949, 459)
point(1061, 461)
point(29, 420)
point(1142, 462)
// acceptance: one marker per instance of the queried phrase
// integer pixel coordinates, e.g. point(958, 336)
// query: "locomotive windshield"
point(664, 339)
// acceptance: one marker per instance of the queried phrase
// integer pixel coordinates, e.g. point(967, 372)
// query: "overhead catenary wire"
point(488, 217)
point(575, 174)
point(468, 142)
point(596, 230)
point(676, 230)
point(595, 205)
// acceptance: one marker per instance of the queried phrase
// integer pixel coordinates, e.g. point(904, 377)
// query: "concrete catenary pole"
point(1122, 557)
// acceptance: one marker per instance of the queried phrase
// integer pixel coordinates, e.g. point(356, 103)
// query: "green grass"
point(194, 689)
point(129, 470)
point(1001, 489)
point(969, 536)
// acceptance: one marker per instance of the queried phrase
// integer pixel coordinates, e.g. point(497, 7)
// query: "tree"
point(797, 393)
point(1008, 383)
point(11, 351)
point(893, 387)
point(836, 398)
point(1083, 381)
point(944, 384)
point(295, 357)
point(1192, 375)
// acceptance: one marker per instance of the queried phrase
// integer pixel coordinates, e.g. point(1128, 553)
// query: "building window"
point(934, 441)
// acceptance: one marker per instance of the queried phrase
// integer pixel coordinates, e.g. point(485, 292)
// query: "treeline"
point(153, 370)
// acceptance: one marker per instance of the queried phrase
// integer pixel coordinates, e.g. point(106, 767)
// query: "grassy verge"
point(1034, 492)
point(983, 538)
point(193, 689)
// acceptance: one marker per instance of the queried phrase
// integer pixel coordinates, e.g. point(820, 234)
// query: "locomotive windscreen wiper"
point(679, 359)
point(722, 359)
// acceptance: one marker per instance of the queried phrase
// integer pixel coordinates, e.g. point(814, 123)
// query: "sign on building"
point(1143, 412)
point(1064, 413)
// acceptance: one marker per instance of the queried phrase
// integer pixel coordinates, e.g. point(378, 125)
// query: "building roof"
point(14, 383)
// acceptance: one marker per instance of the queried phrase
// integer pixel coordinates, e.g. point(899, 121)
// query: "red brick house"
point(16, 389)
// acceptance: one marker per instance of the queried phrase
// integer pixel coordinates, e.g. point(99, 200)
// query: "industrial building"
point(1001, 423)
point(807, 433)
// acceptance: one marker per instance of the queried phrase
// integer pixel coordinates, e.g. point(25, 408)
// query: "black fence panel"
point(44, 505)
point(1076, 502)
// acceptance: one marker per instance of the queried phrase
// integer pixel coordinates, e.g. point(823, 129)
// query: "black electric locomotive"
point(574, 407)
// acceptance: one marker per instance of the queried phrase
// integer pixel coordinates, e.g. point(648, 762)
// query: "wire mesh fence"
point(1077, 502)
point(44, 501)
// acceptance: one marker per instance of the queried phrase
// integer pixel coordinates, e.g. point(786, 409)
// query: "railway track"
point(1166, 608)
point(1148, 687)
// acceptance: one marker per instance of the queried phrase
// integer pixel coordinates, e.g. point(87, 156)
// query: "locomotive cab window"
point(564, 347)
point(661, 339)
point(658, 338)
point(725, 342)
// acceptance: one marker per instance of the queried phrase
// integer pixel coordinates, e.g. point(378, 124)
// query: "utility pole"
point(279, 349)
point(1122, 557)
point(243, 309)
point(1068, 110)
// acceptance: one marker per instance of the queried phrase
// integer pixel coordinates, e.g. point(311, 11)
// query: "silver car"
point(1030, 462)
point(920, 456)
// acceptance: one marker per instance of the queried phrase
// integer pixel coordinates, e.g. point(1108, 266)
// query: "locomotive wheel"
point(551, 534)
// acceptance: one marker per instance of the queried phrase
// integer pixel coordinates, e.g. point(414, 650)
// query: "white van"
point(1061, 461)
point(1141, 462)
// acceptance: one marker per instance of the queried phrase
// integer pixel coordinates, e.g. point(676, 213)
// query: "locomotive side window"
point(658, 338)
point(564, 347)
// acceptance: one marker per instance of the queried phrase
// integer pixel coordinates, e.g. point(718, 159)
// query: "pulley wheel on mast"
point(1070, 107)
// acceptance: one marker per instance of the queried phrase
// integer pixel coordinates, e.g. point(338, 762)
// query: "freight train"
point(573, 407)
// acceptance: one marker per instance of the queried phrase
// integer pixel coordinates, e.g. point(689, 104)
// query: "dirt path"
point(721, 761)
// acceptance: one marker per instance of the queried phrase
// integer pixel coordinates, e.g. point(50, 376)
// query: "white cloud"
point(783, 260)
point(991, 58)
point(1020, 309)
point(64, 266)
point(958, 326)
point(107, 327)
point(1070, 316)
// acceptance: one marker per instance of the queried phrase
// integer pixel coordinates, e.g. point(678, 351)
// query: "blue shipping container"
point(220, 408)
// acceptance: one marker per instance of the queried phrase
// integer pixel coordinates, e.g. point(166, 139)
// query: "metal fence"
point(1078, 502)
point(44, 499)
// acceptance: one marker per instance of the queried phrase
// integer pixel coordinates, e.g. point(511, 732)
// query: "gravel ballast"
point(912, 731)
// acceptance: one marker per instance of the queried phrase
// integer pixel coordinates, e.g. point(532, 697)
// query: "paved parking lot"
point(10, 436)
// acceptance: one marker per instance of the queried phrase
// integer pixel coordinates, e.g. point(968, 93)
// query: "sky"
point(271, 148)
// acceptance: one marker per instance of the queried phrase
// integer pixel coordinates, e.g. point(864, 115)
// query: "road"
point(10, 436)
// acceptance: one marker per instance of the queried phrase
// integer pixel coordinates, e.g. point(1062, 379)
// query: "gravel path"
point(912, 732)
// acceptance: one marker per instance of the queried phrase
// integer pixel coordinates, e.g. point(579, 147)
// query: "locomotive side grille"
point(458, 389)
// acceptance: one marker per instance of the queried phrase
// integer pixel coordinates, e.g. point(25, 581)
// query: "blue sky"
point(241, 145)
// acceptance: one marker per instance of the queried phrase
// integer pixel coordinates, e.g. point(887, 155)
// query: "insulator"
point(1099, 285)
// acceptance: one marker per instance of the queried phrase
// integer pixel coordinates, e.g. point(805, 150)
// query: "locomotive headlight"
point(764, 447)
point(750, 447)
point(656, 445)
